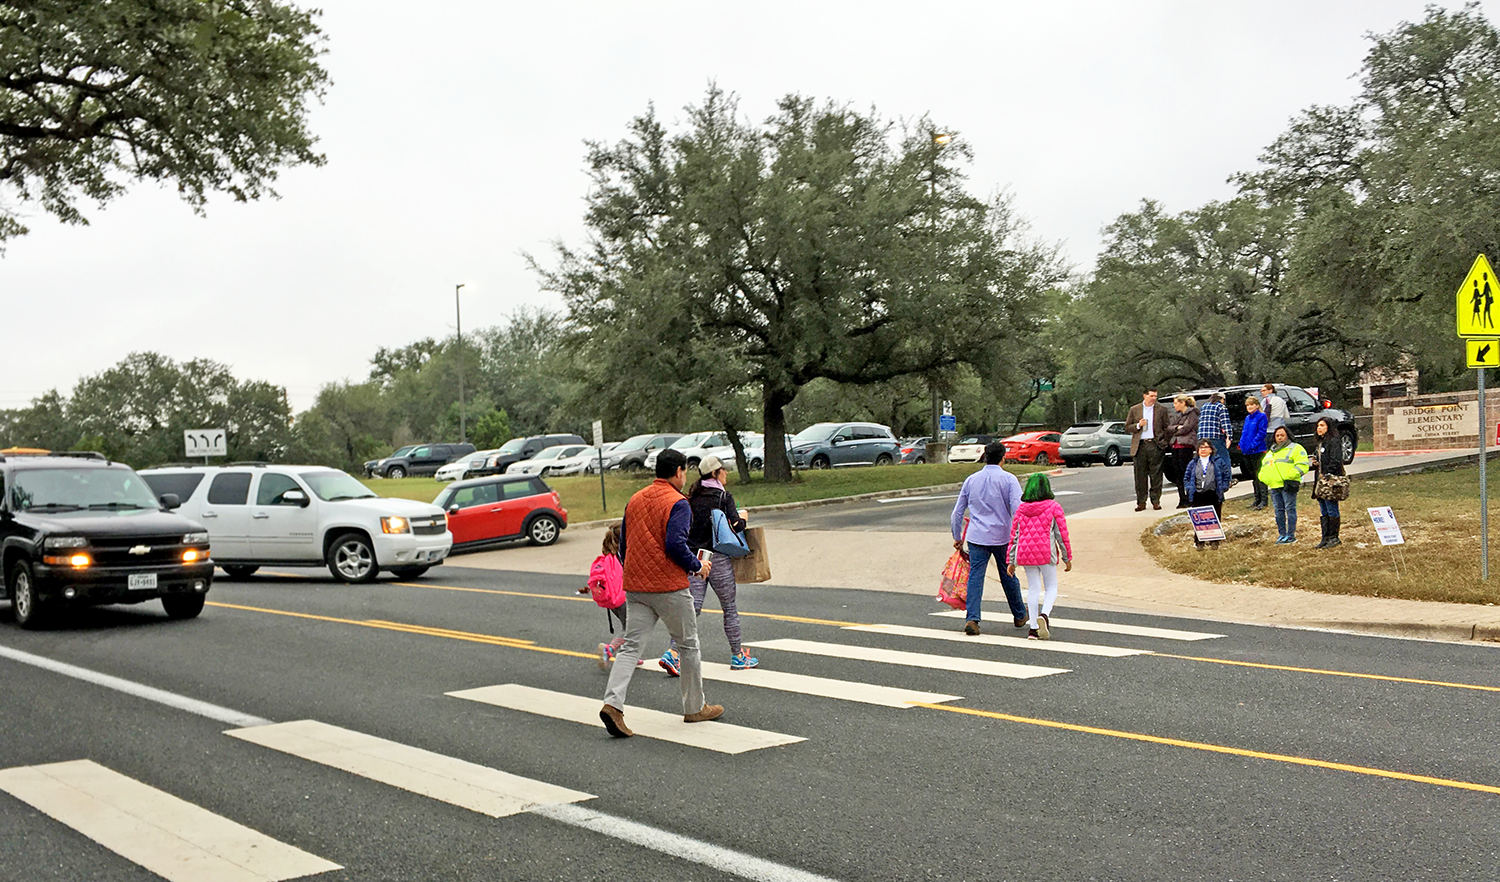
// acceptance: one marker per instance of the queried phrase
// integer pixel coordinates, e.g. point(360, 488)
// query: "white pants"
point(1036, 577)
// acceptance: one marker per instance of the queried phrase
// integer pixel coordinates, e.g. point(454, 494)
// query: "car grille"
point(115, 550)
point(434, 526)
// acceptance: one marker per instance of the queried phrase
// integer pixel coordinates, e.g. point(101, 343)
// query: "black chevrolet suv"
point(77, 530)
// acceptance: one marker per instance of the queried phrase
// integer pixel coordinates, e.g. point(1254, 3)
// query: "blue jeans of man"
point(1285, 502)
point(979, 560)
point(1223, 467)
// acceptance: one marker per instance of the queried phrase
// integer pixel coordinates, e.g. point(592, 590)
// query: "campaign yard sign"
point(1385, 526)
point(1206, 526)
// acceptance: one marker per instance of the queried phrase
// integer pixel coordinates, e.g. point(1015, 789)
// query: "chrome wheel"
point(1349, 444)
point(543, 530)
point(21, 598)
point(1042, 459)
point(1112, 457)
point(396, 472)
point(820, 462)
point(352, 560)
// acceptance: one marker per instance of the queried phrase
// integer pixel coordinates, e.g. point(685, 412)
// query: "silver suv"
point(1086, 443)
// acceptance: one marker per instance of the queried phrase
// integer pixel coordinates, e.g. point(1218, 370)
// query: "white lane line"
point(867, 693)
point(911, 659)
point(1109, 628)
point(170, 837)
point(734, 863)
point(139, 690)
point(998, 640)
point(722, 737)
point(454, 781)
point(1067, 492)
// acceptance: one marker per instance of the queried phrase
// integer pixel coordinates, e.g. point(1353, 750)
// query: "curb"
point(806, 503)
point(1475, 633)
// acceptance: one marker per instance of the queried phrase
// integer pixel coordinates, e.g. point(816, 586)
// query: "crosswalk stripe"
point(168, 836)
point(999, 640)
point(444, 778)
point(867, 693)
point(910, 659)
point(1106, 627)
point(722, 737)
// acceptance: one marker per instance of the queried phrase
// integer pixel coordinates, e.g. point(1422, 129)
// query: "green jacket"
point(1280, 466)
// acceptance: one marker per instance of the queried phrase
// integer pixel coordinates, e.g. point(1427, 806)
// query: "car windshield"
point(550, 453)
point(815, 433)
point(971, 439)
point(402, 451)
point(1086, 429)
point(335, 486)
point(692, 440)
point(514, 445)
point(635, 443)
point(77, 489)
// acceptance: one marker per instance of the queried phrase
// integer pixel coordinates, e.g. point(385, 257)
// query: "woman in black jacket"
point(707, 495)
point(1327, 459)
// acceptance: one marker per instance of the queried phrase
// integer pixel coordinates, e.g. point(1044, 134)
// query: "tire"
point(756, 465)
point(351, 559)
point(182, 606)
point(693, 463)
point(820, 462)
point(395, 472)
point(1350, 443)
point(1073, 463)
point(1112, 457)
point(1042, 459)
point(919, 460)
point(30, 612)
point(239, 571)
point(546, 470)
point(543, 530)
point(883, 460)
point(409, 572)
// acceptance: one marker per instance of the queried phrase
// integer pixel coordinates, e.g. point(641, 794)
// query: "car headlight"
point(195, 538)
point(65, 542)
point(395, 524)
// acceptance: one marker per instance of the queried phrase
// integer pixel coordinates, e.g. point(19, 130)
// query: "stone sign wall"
point(1443, 421)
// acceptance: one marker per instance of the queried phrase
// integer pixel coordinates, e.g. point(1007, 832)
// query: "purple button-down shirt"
point(991, 496)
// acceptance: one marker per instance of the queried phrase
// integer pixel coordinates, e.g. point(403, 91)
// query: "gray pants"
point(675, 610)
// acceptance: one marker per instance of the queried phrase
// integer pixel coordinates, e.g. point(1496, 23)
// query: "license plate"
point(142, 581)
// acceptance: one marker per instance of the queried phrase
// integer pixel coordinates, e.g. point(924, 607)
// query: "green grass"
point(580, 495)
point(1439, 516)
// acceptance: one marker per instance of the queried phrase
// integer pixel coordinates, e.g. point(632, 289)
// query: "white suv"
point(305, 515)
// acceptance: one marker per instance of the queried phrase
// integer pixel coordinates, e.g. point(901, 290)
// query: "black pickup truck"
point(78, 530)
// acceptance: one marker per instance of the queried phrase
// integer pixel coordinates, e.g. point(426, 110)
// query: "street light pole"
point(463, 431)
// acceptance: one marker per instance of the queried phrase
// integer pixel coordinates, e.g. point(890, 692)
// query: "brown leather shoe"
point(709, 712)
point(1141, 507)
point(1156, 505)
point(614, 721)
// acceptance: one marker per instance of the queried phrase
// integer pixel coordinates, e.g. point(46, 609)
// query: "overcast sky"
point(454, 133)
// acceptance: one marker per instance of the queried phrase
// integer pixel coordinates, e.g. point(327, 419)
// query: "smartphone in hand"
point(703, 554)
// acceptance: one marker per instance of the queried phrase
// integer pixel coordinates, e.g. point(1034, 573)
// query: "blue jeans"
point(1223, 468)
point(1329, 508)
point(979, 559)
point(1286, 511)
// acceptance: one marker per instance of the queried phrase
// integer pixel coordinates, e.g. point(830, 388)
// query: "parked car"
point(701, 444)
point(421, 459)
point(969, 448)
point(292, 515)
point(520, 449)
point(693, 441)
point(754, 444)
point(1106, 442)
point(372, 463)
point(831, 445)
point(77, 530)
point(1303, 413)
point(488, 511)
point(542, 463)
point(914, 450)
point(632, 452)
point(592, 466)
point(1041, 448)
point(585, 461)
point(460, 468)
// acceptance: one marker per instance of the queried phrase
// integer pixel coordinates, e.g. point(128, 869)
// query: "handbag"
point(755, 566)
point(953, 589)
point(1332, 488)
point(726, 541)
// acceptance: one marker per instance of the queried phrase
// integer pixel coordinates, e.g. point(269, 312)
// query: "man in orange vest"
point(658, 559)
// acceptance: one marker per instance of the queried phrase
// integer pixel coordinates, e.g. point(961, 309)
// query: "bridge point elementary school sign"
point(1457, 420)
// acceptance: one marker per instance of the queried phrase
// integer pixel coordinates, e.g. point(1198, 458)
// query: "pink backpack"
point(607, 581)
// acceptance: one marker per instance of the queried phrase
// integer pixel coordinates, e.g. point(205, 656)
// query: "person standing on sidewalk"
point(1202, 483)
point(1275, 407)
point(1213, 424)
point(1184, 442)
point(658, 561)
point(1148, 442)
point(1253, 447)
point(991, 497)
point(1282, 470)
point(1327, 461)
point(1039, 533)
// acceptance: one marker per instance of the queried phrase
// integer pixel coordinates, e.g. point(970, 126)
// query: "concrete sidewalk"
point(1111, 571)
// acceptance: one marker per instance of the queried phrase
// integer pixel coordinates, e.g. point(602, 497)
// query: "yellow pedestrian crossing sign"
point(1476, 300)
point(1483, 353)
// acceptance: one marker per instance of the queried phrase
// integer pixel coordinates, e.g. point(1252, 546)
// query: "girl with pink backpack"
point(1038, 532)
point(607, 585)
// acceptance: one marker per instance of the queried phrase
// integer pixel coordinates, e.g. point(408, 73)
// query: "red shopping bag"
point(954, 588)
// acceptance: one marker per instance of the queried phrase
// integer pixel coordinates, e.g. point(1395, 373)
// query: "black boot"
point(1323, 525)
point(1333, 533)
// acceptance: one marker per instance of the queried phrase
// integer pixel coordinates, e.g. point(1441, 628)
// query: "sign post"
point(599, 446)
point(1475, 319)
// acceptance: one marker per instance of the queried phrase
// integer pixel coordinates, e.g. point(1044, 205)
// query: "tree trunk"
point(1036, 392)
point(778, 466)
point(741, 463)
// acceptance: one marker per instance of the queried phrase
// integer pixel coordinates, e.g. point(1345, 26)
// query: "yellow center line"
point(1216, 748)
point(1245, 664)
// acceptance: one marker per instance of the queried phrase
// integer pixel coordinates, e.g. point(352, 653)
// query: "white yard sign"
point(1386, 527)
point(205, 442)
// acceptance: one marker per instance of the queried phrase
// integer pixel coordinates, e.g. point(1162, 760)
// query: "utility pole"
point(463, 429)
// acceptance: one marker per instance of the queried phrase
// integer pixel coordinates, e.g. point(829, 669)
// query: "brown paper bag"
point(755, 566)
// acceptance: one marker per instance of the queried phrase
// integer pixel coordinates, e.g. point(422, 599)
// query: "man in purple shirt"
point(990, 496)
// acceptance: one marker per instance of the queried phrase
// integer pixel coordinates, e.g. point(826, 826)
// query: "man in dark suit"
point(1148, 444)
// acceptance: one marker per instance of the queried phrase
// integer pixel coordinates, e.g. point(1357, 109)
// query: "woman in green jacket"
point(1282, 470)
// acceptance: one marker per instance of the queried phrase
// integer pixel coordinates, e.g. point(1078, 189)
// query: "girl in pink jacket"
point(1038, 532)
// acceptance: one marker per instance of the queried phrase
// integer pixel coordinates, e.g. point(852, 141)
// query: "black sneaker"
point(1032, 635)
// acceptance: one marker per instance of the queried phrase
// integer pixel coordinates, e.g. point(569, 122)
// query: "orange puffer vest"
point(647, 567)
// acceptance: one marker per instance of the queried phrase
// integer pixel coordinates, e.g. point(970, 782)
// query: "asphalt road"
point(1262, 754)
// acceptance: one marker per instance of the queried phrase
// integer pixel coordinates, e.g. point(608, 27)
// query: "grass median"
point(580, 495)
point(1439, 516)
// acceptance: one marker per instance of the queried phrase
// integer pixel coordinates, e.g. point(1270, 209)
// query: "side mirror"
point(453, 509)
point(170, 501)
point(295, 497)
